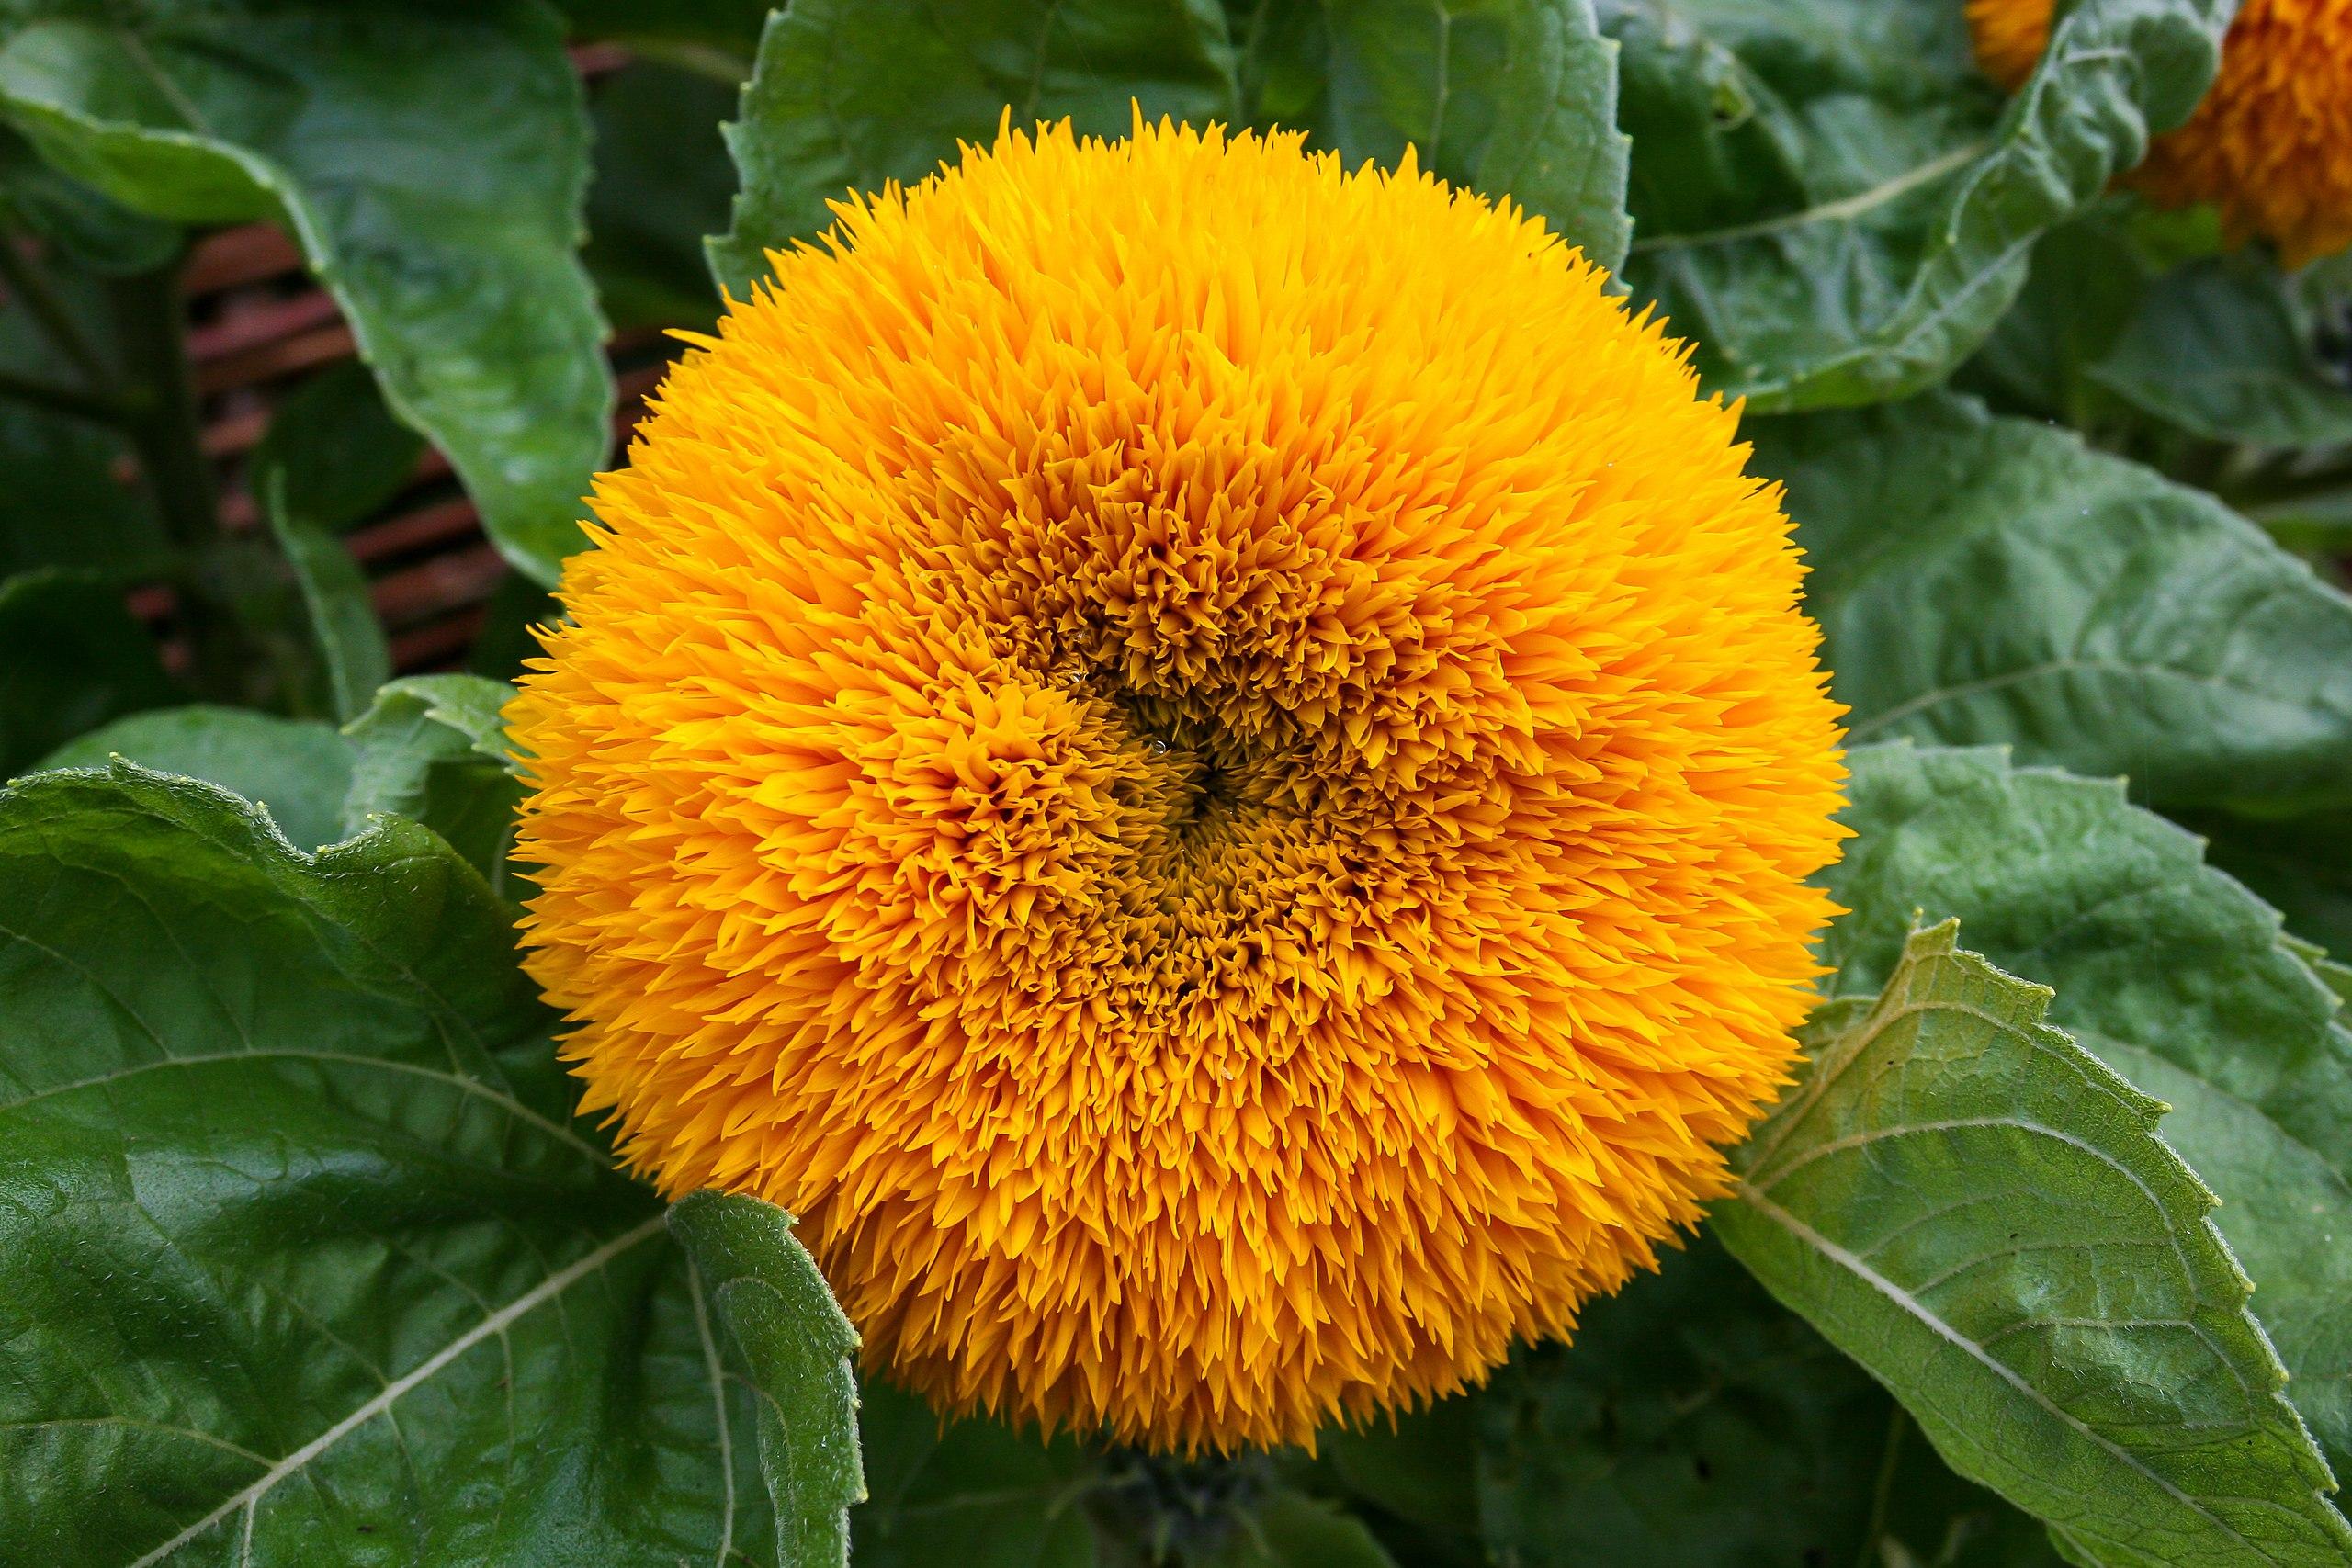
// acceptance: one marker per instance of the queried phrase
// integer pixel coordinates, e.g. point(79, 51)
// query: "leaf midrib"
point(382, 1403)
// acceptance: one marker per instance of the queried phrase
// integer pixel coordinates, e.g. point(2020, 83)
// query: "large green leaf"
point(297, 770)
point(2168, 971)
point(1978, 1210)
point(1513, 98)
point(851, 94)
point(1510, 97)
point(784, 1325)
point(1833, 201)
point(1994, 579)
point(2131, 316)
point(71, 659)
point(430, 159)
point(303, 1257)
point(1695, 1423)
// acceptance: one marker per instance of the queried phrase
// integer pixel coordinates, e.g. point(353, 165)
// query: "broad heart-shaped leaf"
point(1693, 1422)
point(1510, 97)
point(429, 159)
point(1978, 1210)
point(971, 1492)
point(782, 1321)
point(297, 770)
point(430, 748)
point(851, 94)
point(303, 1259)
point(1833, 203)
point(71, 659)
point(2220, 348)
point(2170, 973)
point(2115, 327)
point(1513, 98)
point(1994, 579)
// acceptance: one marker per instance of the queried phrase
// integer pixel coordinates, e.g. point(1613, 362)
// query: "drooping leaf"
point(783, 1324)
point(429, 159)
point(298, 769)
point(71, 659)
point(2170, 973)
point(303, 1257)
point(350, 639)
point(1513, 98)
point(1994, 579)
point(1835, 203)
point(1978, 1210)
point(339, 452)
point(973, 1492)
point(851, 94)
point(664, 183)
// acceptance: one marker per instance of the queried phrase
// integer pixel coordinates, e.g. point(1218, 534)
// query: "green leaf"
point(303, 1257)
point(430, 161)
point(1994, 579)
point(96, 231)
point(1833, 203)
point(339, 452)
point(1695, 1423)
point(297, 770)
point(433, 747)
point(783, 1324)
point(1513, 98)
point(71, 659)
point(350, 640)
point(663, 182)
point(2220, 349)
point(1979, 1212)
point(972, 1493)
point(2169, 972)
point(851, 94)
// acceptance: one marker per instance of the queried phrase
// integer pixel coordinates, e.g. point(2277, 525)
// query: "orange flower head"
point(1207, 764)
point(2271, 144)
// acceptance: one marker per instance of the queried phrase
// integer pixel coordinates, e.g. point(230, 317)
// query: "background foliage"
point(304, 1259)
